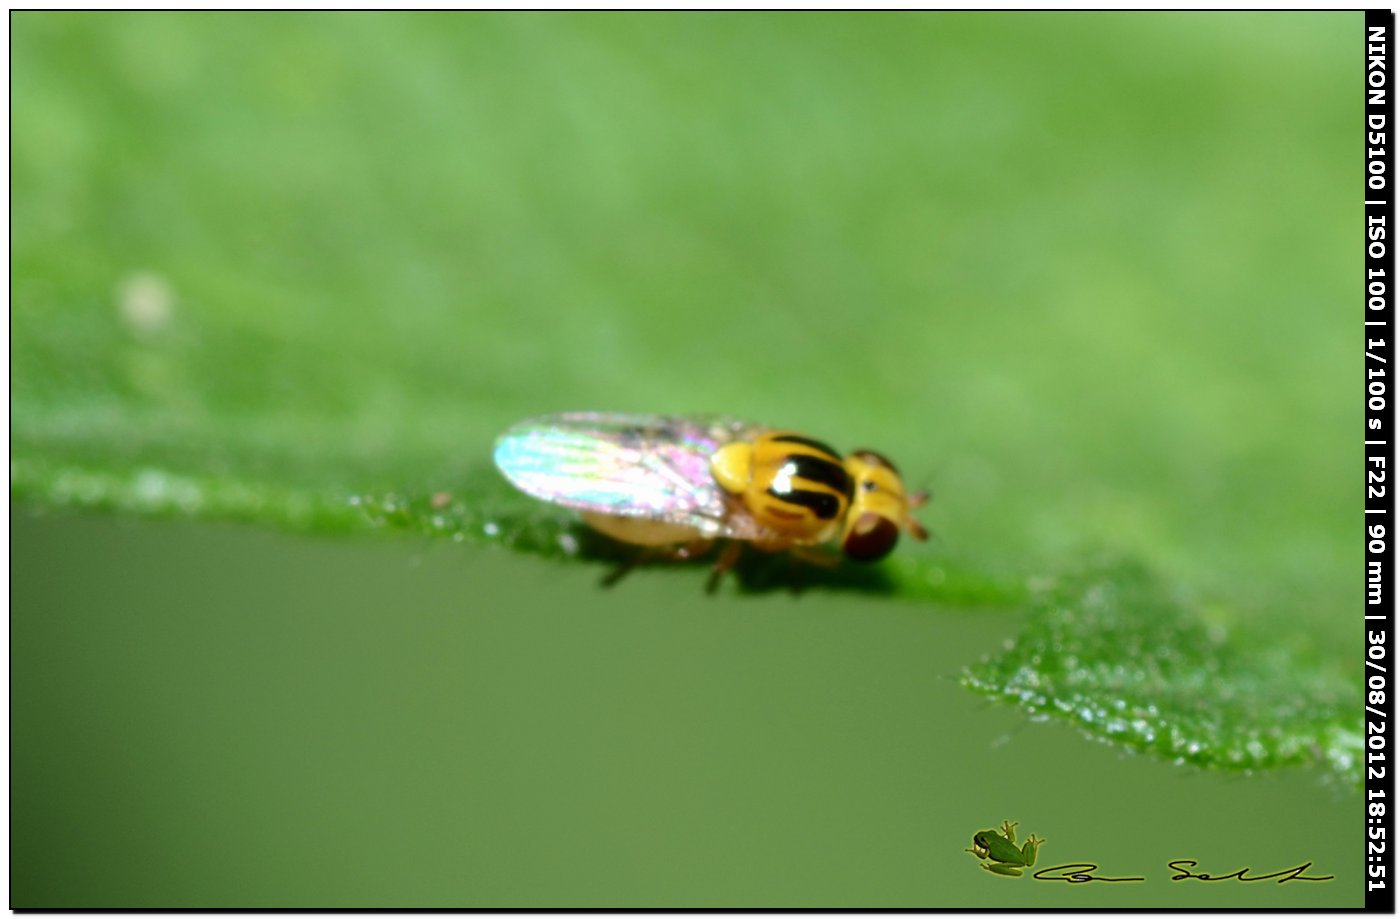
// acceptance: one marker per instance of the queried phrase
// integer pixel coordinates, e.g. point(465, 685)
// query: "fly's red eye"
point(871, 539)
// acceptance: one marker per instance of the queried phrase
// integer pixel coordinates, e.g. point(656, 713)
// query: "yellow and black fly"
point(680, 483)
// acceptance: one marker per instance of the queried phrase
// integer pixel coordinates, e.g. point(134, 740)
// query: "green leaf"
point(1126, 658)
point(302, 271)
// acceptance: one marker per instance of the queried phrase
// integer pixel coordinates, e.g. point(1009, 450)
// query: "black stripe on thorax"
point(825, 506)
point(807, 442)
point(823, 471)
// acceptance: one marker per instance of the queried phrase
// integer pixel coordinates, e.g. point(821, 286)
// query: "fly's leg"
point(623, 569)
point(800, 558)
point(677, 553)
point(728, 557)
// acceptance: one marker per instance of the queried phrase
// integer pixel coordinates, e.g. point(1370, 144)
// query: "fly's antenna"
point(916, 529)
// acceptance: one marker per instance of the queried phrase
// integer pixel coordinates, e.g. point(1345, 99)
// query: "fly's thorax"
point(791, 484)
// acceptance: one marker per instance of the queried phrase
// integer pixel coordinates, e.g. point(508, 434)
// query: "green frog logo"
point(997, 849)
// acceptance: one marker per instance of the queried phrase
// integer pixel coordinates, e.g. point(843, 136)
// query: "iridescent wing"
point(651, 466)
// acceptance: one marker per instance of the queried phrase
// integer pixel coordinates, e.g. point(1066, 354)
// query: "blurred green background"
point(1087, 276)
